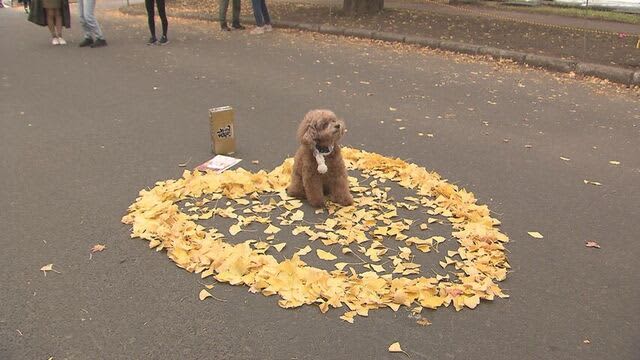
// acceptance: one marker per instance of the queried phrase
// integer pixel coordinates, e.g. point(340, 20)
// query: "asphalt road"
point(83, 130)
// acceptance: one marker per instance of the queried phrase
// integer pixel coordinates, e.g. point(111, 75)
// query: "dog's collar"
point(324, 150)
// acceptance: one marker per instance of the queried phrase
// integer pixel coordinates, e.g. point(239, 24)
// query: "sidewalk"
point(597, 48)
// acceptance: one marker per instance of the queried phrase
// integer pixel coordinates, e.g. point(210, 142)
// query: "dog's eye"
point(324, 126)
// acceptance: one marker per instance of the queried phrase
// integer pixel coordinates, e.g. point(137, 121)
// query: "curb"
point(611, 73)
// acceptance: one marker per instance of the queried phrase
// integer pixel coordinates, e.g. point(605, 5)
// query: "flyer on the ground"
point(218, 164)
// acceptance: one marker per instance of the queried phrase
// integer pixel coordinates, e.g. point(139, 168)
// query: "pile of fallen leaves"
point(362, 230)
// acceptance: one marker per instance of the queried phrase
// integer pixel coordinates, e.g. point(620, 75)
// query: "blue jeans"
point(88, 19)
point(260, 12)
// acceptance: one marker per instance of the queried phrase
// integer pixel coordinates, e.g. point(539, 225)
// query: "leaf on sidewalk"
point(49, 267)
point(592, 244)
point(204, 294)
point(97, 248)
point(395, 347)
point(535, 235)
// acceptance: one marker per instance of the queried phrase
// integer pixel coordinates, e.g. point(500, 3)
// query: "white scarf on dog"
point(322, 167)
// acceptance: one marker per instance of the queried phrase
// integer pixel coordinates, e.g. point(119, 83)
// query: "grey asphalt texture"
point(83, 130)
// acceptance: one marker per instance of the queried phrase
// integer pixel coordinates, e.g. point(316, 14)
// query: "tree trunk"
point(362, 7)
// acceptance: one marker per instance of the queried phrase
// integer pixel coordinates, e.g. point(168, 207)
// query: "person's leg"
point(151, 17)
point(163, 17)
point(265, 13)
point(236, 13)
point(224, 4)
point(51, 21)
point(93, 28)
point(83, 21)
point(257, 12)
point(58, 16)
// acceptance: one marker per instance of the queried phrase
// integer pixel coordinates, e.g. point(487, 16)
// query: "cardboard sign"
point(223, 137)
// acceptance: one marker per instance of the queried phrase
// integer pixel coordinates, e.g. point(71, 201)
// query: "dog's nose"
point(337, 126)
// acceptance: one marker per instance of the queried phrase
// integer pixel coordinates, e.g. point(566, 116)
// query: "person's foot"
point(86, 42)
point(224, 27)
point(99, 43)
point(257, 30)
point(163, 40)
point(268, 27)
point(55, 41)
point(61, 41)
point(238, 26)
point(152, 41)
point(26, 10)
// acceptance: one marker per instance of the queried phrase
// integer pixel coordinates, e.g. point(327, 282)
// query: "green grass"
point(587, 13)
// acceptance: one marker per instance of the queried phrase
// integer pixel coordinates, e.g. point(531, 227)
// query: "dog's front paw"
point(316, 203)
point(344, 200)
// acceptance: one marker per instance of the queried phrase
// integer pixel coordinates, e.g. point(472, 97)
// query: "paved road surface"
point(83, 130)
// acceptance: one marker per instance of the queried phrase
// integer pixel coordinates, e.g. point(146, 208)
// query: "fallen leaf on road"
point(325, 255)
point(535, 234)
point(395, 347)
point(592, 182)
point(613, 162)
point(592, 244)
point(204, 294)
point(184, 163)
point(280, 246)
point(234, 229)
point(565, 158)
point(303, 251)
point(528, 146)
point(97, 247)
point(586, 341)
point(423, 321)
point(392, 109)
point(255, 162)
point(272, 229)
point(48, 268)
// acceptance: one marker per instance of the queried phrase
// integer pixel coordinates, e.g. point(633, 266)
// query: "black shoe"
point(224, 27)
point(152, 41)
point(238, 26)
point(99, 43)
point(163, 40)
point(86, 42)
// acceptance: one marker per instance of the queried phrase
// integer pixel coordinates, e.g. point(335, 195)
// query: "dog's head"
point(320, 127)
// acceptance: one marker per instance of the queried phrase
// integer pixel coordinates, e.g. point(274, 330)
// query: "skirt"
point(52, 4)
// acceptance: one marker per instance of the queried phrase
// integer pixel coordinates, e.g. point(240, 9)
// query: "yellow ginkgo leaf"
point(234, 229)
point(298, 215)
point(272, 229)
point(340, 265)
point(395, 347)
point(535, 234)
point(378, 268)
point(204, 294)
point(280, 246)
point(325, 255)
point(48, 268)
point(304, 251)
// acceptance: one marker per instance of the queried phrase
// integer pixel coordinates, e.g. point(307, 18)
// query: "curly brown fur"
point(322, 128)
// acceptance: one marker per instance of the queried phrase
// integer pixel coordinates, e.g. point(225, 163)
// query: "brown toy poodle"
point(318, 168)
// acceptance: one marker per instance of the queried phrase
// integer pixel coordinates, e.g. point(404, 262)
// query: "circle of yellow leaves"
point(156, 217)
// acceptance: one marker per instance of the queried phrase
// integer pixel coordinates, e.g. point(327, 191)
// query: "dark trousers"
point(151, 16)
point(235, 11)
point(260, 12)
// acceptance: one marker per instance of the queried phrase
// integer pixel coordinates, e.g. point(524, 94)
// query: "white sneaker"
point(268, 27)
point(61, 41)
point(257, 30)
point(55, 41)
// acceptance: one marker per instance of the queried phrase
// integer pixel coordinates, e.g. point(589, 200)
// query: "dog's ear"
point(310, 135)
point(307, 132)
